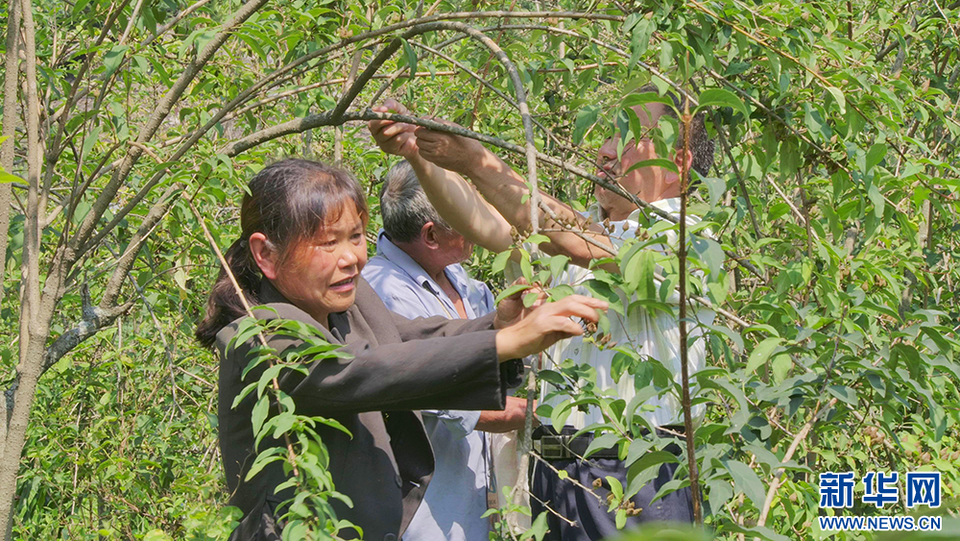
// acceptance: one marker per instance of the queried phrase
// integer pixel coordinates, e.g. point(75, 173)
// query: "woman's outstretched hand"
point(547, 324)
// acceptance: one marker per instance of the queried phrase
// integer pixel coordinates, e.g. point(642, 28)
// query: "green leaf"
point(747, 481)
point(157, 535)
point(89, 141)
point(781, 367)
point(605, 441)
point(645, 469)
point(267, 457)
point(7, 178)
point(586, 118)
point(113, 59)
point(538, 529)
point(561, 412)
point(718, 97)
point(843, 393)
point(638, 274)
point(515, 288)
point(716, 187)
point(283, 423)
point(243, 394)
point(640, 98)
point(333, 423)
point(78, 7)
point(640, 40)
point(411, 56)
point(267, 377)
point(655, 162)
point(761, 353)
point(615, 487)
point(602, 290)
point(709, 252)
point(877, 199)
point(260, 411)
point(557, 264)
point(551, 376)
point(838, 96)
point(875, 155)
point(500, 262)
point(526, 268)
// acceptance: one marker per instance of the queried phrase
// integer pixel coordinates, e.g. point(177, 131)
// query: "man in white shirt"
point(488, 220)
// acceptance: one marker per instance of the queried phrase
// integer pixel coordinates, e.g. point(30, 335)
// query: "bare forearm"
point(462, 207)
point(508, 420)
point(505, 189)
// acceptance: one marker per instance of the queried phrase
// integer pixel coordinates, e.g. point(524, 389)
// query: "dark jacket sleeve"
point(421, 328)
point(440, 364)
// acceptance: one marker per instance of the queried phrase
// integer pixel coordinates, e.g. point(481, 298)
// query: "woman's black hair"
point(287, 201)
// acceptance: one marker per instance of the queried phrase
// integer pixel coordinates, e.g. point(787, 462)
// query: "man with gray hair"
point(417, 273)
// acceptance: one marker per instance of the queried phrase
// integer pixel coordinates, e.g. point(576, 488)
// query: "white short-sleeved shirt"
point(655, 334)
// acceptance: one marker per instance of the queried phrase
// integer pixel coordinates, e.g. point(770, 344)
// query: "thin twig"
point(291, 455)
point(684, 355)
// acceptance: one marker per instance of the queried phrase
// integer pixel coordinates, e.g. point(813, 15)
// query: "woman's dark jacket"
point(398, 365)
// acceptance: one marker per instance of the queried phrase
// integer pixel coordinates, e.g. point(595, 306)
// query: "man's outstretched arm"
point(506, 189)
point(456, 200)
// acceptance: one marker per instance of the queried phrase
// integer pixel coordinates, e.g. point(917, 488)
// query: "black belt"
point(552, 446)
point(562, 446)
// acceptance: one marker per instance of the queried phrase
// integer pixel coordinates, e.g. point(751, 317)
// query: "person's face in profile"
point(322, 273)
point(456, 248)
point(647, 183)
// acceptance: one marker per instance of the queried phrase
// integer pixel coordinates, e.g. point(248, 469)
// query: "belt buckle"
point(554, 447)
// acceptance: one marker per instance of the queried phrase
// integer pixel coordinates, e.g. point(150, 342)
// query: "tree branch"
point(159, 114)
point(94, 320)
point(125, 262)
point(323, 119)
point(7, 152)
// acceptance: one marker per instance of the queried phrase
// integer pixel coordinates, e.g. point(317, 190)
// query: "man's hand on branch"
point(452, 152)
point(394, 137)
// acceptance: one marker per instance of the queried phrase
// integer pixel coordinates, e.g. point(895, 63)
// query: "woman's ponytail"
point(224, 304)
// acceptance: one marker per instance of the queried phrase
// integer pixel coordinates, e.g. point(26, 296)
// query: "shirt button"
point(390, 537)
point(576, 351)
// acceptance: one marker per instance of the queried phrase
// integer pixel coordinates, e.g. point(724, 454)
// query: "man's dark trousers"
point(592, 520)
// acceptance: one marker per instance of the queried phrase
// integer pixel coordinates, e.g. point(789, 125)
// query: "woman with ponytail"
point(300, 252)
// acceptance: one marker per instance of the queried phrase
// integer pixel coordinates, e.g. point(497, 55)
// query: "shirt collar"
point(670, 206)
point(393, 254)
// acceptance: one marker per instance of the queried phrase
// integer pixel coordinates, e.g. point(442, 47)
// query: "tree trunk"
point(12, 73)
point(29, 373)
point(35, 313)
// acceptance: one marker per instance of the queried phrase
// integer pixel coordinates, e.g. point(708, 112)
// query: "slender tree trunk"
point(12, 74)
point(34, 318)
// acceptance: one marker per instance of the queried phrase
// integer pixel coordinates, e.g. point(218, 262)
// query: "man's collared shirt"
point(653, 334)
point(457, 495)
